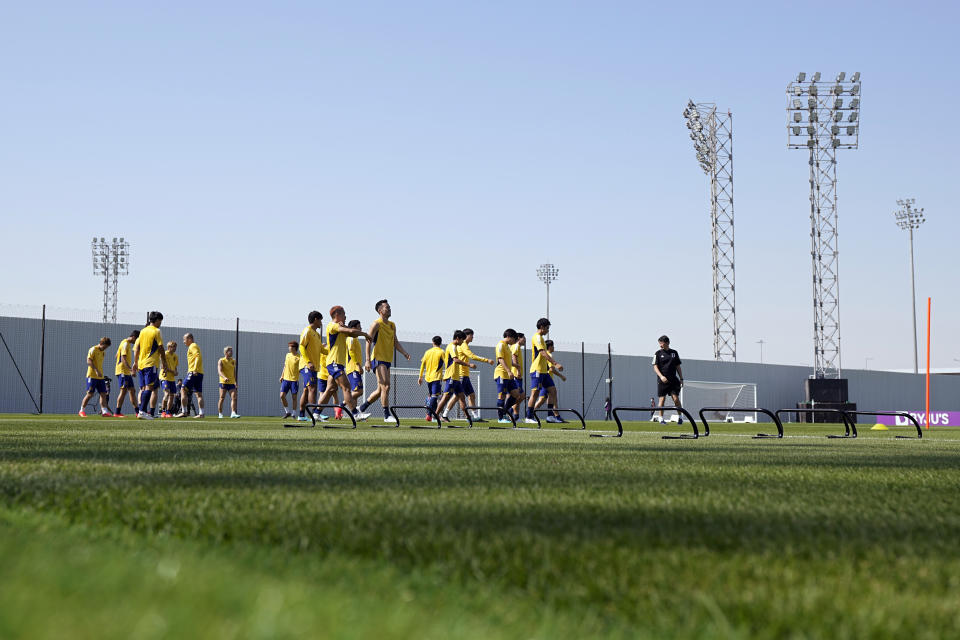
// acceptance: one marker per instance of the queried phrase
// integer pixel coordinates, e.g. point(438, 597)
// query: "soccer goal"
point(404, 389)
point(697, 394)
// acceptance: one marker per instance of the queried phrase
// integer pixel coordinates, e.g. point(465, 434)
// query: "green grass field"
point(243, 529)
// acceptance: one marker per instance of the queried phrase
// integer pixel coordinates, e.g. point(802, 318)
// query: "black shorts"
point(668, 388)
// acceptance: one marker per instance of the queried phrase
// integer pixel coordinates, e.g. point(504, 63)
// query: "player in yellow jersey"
point(289, 377)
point(227, 369)
point(380, 347)
point(312, 360)
point(168, 381)
point(337, 334)
point(507, 393)
point(452, 366)
point(517, 349)
point(554, 371)
point(149, 356)
point(193, 383)
point(431, 369)
point(354, 365)
point(468, 391)
point(96, 381)
point(124, 371)
point(542, 387)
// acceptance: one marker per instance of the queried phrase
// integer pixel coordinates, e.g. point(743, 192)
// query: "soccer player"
point(431, 366)
point(227, 368)
point(507, 393)
point(517, 350)
point(555, 372)
point(289, 377)
point(312, 353)
point(666, 364)
point(380, 346)
point(467, 355)
point(453, 366)
point(149, 356)
point(194, 380)
point(168, 380)
point(96, 381)
point(337, 334)
point(354, 363)
point(542, 387)
point(124, 371)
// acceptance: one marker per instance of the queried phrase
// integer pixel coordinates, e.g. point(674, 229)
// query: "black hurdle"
point(892, 413)
point(313, 421)
point(583, 423)
point(850, 429)
point(494, 425)
point(767, 412)
point(683, 436)
point(396, 417)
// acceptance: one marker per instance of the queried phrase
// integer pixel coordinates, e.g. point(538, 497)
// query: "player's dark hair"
point(153, 316)
point(335, 309)
point(663, 339)
point(459, 335)
point(353, 324)
point(520, 335)
point(188, 335)
point(510, 333)
point(293, 344)
point(313, 316)
point(548, 344)
point(468, 331)
point(437, 340)
point(377, 306)
point(135, 334)
point(105, 341)
point(542, 322)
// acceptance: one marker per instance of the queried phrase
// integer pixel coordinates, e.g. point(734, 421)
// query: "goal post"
point(404, 389)
point(696, 394)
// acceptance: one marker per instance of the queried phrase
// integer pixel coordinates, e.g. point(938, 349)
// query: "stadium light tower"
point(909, 218)
point(547, 274)
point(110, 260)
point(712, 135)
point(821, 118)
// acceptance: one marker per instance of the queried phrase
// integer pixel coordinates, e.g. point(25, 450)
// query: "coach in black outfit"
point(666, 364)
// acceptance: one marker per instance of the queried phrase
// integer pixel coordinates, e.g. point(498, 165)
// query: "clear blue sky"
point(435, 153)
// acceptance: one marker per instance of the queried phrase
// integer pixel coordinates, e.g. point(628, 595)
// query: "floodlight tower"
point(821, 118)
point(909, 218)
point(110, 260)
point(712, 135)
point(547, 274)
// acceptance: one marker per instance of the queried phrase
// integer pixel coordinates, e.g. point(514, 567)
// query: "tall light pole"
point(821, 118)
point(909, 218)
point(547, 274)
point(866, 364)
point(761, 342)
point(110, 260)
point(712, 135)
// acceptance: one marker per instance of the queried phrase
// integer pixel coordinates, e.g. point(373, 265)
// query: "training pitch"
point(116, 528)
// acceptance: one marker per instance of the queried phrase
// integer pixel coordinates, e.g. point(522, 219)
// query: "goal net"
point(404, 390)
point(696, 395)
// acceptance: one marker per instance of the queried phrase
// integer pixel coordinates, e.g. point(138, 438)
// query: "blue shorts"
point(289, 385)
point(335, 370)
point(518, 382)
point(541, 381)
point(467, 386)
point(227, 387)
point(148, 377)
point(96, 384)
point(322, 385)
point(376, 363)
point(356, 381)
point(433, 388)
point(453, 386)
point(505, 386)
point(169, 386)
point(308, 377)
point(125, 381)
point(194, 382)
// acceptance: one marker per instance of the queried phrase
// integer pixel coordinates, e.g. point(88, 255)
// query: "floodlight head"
point(813, 89)
point(855, 77)
point(840, 76)
point(797, 104)
point(547, 273)
point(816, 76)
point(855, 90)
point(796, 131)
point(851, 131)
point(811, 131)
point(838, 103)
point(854, 103)
point(801, 76)
point(811, 103)
point(797, 116)
point(835, 130)
point(852, 117)
point(797, 90)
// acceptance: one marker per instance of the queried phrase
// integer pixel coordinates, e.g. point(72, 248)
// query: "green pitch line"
point(243, 528)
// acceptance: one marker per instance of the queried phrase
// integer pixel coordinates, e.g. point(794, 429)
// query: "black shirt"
point(667, 360)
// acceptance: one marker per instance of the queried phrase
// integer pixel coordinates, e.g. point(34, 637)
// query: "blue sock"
point(509, 403)
point(144, 400)
point(301, 413)
point(500, 404)
point(529, 412)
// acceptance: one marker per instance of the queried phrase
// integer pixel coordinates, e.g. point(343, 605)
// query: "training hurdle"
point(313, 421)
point(583, 423)
point(619, 434)
point(767, 412)
point(901, 414)
point(850, 429)
point(495, 425)
point(396, 417)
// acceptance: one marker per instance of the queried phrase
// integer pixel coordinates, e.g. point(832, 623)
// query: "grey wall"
point(260, 357)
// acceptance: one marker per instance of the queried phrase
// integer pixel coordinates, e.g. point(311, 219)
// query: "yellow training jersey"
point(504, 351)
point(96, 356)
point(431, 365)
point(124, 349)
point(540, 364)
point(194, 359)
point(517, 351)
point(229, 368)
point(173, 361)
point(451, 370)
point(150, 344)
point(337, 343)
point(311, 349)
point(291, 367)
point(467, 355)
point(384, 341)
point(354, 355)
